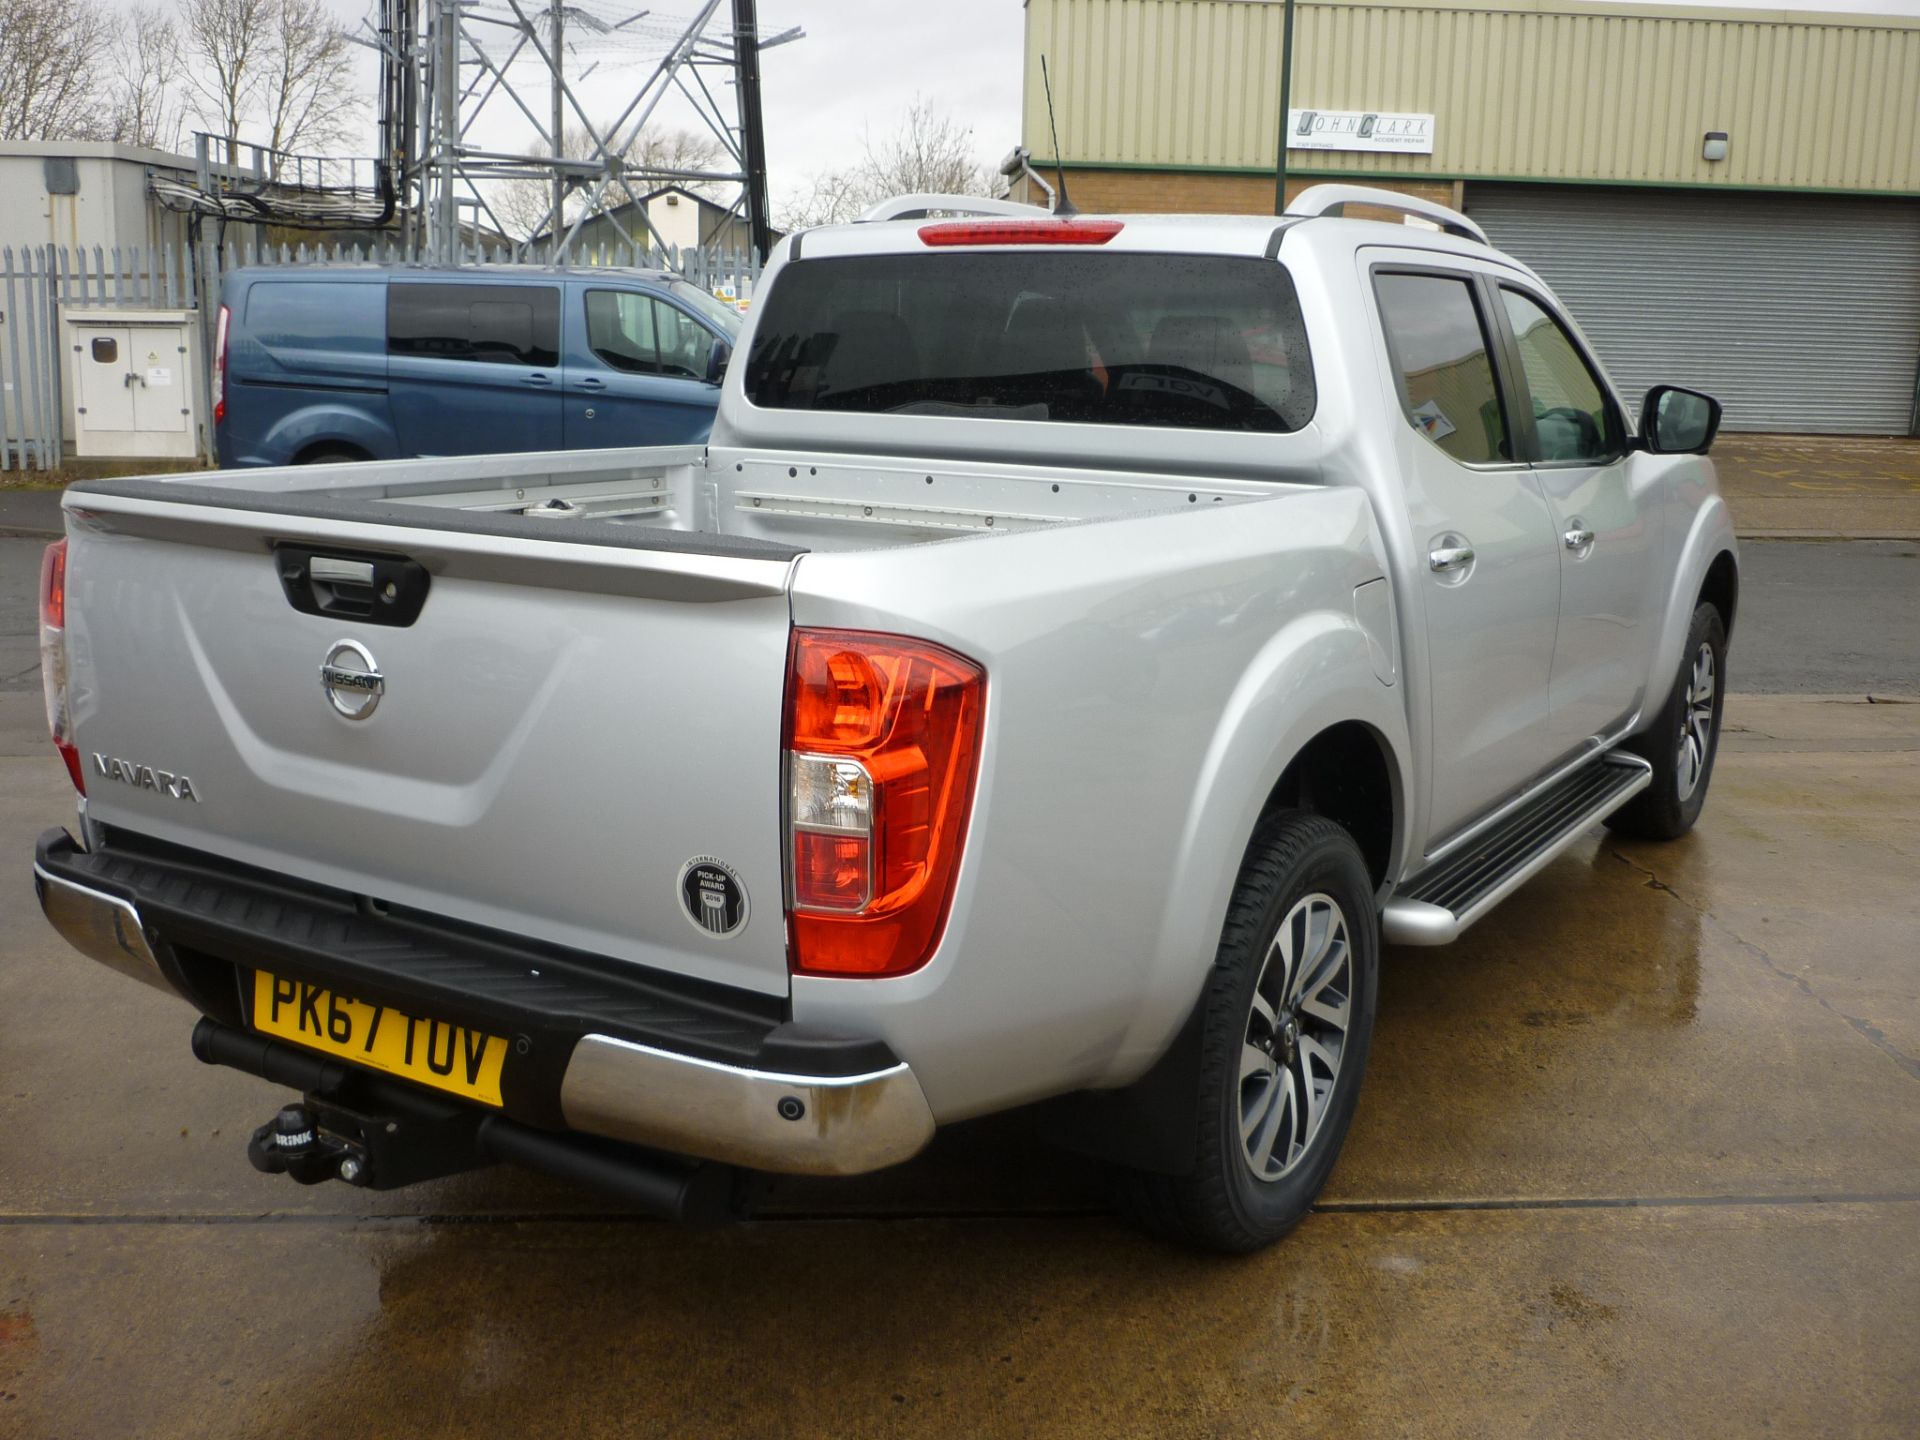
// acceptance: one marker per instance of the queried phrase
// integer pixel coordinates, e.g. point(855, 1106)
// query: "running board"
point(1443, 900)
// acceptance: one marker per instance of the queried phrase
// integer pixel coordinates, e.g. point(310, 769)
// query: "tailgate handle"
point(375, 589)
point(327, 569)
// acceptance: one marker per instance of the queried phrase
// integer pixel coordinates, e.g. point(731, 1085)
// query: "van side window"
point(685, 344)
point(491, 324)
point(645, 336)
point(1444, 365)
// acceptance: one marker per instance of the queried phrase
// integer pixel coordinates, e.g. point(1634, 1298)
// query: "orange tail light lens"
point(220, 366)
point(53, 658)
point(883, 742)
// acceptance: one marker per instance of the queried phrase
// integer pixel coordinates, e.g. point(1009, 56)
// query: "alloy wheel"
point(1696, 723)
point(1295, 1037)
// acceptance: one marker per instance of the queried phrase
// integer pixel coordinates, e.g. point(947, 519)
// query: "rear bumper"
point(598, 1047)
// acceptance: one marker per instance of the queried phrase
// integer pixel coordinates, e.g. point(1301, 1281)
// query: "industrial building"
point(1727, 199)
point(676, 215)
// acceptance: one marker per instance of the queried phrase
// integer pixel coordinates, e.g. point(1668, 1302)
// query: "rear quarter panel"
point(1148, 679)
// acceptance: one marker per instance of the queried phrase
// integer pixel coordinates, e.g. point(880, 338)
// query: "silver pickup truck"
point(1083, 642)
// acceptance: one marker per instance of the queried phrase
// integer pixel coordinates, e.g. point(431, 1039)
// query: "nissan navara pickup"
point(1082, 643)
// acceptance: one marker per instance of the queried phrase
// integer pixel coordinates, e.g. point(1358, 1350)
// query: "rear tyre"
point(1683, 740)
point(1287, 1022)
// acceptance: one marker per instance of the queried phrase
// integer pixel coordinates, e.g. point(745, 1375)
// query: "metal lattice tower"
point(445, 64)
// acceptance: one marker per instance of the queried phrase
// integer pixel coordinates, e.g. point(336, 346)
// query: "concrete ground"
point(1820, 486)
point(1829, 617)
point(1640, 1156)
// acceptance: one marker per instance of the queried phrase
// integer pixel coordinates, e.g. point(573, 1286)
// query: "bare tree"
point(226, 41)
point(668, 149)
point(307, 93)
point(147, 108)
point(52, 53)
point(523, 205)
point(831, 197)
point(278, 70)
point(927, 152)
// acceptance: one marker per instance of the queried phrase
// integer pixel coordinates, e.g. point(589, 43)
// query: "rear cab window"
point(1189, 341)
point(1443, 364)
point(485, 324)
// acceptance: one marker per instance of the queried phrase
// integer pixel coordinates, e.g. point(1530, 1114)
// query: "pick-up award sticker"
point(712, 895)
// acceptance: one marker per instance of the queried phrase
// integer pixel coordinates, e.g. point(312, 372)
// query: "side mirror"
point(717, 362)
point(1678, 422)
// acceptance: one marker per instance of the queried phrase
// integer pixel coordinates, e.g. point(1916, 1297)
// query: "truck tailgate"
point(561, 733)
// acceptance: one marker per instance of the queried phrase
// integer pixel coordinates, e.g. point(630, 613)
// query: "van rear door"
point(474, 368)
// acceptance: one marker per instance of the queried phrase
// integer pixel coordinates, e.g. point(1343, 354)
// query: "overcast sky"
point(862, 64)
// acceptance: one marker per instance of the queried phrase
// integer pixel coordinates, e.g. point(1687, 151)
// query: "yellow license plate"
point(427, 1052)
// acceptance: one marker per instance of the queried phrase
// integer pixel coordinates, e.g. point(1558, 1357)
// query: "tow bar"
point(376, 1133)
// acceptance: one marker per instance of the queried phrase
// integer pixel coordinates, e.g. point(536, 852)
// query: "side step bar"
point(1443, 900)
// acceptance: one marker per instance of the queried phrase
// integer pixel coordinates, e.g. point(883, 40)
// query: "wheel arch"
point(1706, 566)
point(308, 454)
point(1335, 749)
point(330, 425)
point(1721, 588)
point(1348, 773)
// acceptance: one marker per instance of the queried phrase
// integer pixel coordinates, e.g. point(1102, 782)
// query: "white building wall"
point(111, 207)
point(678, 224)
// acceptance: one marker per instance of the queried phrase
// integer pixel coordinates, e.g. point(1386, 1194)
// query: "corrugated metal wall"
point(1799, 313)
point(1582, 93)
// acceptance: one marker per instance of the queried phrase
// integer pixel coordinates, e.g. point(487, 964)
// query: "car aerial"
point(319, 364)
point(1081, 643)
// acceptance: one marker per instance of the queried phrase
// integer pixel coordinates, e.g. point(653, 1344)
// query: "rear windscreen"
point(1192, 341)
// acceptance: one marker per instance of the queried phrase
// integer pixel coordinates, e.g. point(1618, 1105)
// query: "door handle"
point(536, 380)
point(590, 383)
point(1449, 558)
point(1578, 538)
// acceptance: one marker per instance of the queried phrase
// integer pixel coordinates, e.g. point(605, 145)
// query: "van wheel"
point(333, 455)
point(1683, 740)
point(1287, 1023)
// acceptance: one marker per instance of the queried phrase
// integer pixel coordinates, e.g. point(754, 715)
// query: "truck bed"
point(740, 503)
point(580, 662)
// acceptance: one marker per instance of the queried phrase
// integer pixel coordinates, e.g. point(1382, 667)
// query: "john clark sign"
point(1359, 130)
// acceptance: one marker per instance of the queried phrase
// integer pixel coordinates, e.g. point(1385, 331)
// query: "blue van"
point(364, 362)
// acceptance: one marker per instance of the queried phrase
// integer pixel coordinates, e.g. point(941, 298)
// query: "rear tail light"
point(883, 741)
point(53, 657)
point(1020, 232)
point(220, 366)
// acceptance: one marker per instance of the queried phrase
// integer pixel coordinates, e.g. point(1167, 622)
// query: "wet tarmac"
point(1640, 1156)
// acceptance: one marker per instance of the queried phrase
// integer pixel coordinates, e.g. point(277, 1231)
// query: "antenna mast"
point(1063, 207)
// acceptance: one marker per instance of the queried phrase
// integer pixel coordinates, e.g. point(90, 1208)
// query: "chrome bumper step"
point(601, 1047)
point(1435, 906)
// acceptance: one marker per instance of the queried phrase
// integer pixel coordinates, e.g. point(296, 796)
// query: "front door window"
point(1572, 421)
point(643, 336)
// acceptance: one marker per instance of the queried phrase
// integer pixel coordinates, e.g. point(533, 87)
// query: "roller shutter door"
point(1800, 313)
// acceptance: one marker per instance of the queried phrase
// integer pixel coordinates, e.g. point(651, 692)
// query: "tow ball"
point(378, 1134)
point(292, 1144)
